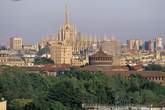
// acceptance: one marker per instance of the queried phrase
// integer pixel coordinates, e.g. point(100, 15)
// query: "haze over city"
point(124, 19)
point(82, 55)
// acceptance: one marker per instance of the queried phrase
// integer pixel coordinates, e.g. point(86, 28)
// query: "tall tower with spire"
point(66, 14)
point(67, 33)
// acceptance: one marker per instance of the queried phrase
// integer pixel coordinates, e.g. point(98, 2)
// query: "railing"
point(109, 107)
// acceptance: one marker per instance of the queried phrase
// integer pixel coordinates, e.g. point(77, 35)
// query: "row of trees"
point(25, 91)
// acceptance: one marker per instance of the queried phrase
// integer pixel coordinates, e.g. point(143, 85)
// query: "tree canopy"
point(28, 91)
point(43, 60)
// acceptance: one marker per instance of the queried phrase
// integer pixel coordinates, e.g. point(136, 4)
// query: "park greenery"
point(29, 91)
point(42, 61)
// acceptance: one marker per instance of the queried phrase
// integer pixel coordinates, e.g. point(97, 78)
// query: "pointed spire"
point(66, 14)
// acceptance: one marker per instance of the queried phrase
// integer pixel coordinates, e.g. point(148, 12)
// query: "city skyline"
point(124, 20)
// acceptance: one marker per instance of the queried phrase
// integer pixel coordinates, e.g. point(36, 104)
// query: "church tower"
point(67, 33)
point(66, 15)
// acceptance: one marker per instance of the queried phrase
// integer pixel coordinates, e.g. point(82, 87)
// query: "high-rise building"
point(158, 43)
point(149, 45)
point(134, 44)
point(61, 53)
point(111, 46)
point(16, 43)
point(130, 44)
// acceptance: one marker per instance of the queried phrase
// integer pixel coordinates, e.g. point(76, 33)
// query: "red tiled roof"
point(111, 70)
point(48, 68)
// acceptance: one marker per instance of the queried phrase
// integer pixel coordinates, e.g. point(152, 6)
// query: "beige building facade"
point(3, 105)
point(111, 47)
point(4, 57)
point(61, 53)
point(80, 62)
point(16, 43)
point(119, 60)
point(11, 60)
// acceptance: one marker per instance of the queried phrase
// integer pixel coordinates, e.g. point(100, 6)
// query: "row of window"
point(155, 78)
point(4, 55)
point(100, 58)
point(2, 61)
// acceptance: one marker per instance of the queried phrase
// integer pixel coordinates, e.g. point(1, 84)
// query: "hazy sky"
point(33, 19)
